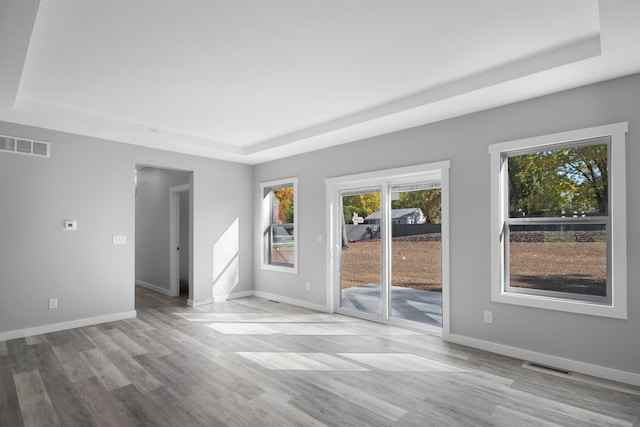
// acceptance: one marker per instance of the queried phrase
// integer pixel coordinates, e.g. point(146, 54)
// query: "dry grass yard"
point(417, 264)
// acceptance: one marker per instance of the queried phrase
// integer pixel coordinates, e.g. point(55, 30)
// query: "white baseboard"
point(548, 360)
point(233, 295)
point(55, 327)
point(153, 287)
point(292, 301)
point(260, 294)
point(192, 303)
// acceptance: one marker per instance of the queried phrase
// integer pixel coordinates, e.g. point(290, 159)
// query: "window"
point(279, 222)
point(559, 221)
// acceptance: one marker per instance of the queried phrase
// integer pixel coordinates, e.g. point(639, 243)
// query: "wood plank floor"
point(253, 362)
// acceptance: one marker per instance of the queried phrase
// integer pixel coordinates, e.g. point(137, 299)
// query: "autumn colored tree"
point(284, 204)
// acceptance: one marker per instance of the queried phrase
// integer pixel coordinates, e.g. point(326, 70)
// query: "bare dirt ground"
point(577, 267)
point(417, 265)
point(282, 254)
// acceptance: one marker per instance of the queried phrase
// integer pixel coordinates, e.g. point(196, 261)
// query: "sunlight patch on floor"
point(282, 328)
point(401, 362)
point(261, 317)
point(288, 361)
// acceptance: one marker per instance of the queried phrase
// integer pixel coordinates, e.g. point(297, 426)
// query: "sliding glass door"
point(389, 240)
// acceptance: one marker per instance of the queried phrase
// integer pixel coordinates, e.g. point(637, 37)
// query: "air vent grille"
point(23, 146)
point(29, 147)
point(546, 369)
point(40, 149)
point(7, 144)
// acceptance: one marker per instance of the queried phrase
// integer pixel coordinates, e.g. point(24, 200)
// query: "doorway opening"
point(389, 245)
point(163, 231)
point(179, 240)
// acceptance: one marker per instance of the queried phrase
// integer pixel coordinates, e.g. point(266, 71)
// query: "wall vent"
point(545, 368)
point(29, 147)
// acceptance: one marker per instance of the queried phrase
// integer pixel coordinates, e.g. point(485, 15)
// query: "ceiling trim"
point(574, 52)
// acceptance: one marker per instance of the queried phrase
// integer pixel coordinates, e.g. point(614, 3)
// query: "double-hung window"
point(559, 221)
point(279, 219)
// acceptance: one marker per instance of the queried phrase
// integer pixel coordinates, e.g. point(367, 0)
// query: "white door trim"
point(174, 237)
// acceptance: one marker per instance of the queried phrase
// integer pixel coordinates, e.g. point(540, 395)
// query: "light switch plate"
point(119, 240)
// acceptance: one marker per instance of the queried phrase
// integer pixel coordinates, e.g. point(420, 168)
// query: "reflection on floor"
point(408, 304)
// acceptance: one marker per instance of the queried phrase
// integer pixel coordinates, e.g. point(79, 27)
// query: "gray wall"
point(464, 141)
point(91, 181)
point(153, 225)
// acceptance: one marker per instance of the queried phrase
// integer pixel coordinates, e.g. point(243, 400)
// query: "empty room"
point(319, 213)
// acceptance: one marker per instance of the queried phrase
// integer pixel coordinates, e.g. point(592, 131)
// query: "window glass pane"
point(568, 258)
point(570, 181)
point(282, 229)
point(360, 272)
point(416, 254)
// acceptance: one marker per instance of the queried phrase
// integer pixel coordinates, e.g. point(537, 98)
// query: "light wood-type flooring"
point(254, 362)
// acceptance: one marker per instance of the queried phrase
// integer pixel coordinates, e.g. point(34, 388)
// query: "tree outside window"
point(279, 220)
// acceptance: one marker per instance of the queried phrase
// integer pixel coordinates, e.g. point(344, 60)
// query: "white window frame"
point(617, 247)
point(265, 222)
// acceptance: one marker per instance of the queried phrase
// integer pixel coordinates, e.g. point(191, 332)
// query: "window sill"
point(279, 268)
point(558, 304)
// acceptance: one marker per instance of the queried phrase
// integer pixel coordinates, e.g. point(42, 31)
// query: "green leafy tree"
point(587, 168)
point(557, 182)
point(363, 204)
point(349, 210)
point(429, 201)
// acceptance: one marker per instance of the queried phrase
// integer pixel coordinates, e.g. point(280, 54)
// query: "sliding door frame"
point(437, 171)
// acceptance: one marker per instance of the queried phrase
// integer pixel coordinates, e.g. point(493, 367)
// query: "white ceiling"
point(256, 80)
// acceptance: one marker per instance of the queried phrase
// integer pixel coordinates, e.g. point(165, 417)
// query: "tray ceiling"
point(256, 80)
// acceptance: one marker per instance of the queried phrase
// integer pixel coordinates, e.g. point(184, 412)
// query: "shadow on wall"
point(226, 261)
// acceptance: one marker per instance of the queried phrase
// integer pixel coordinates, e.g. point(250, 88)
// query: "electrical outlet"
point(53, 303)
point(69, 225)
point(308, 284)
point(488, 317)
